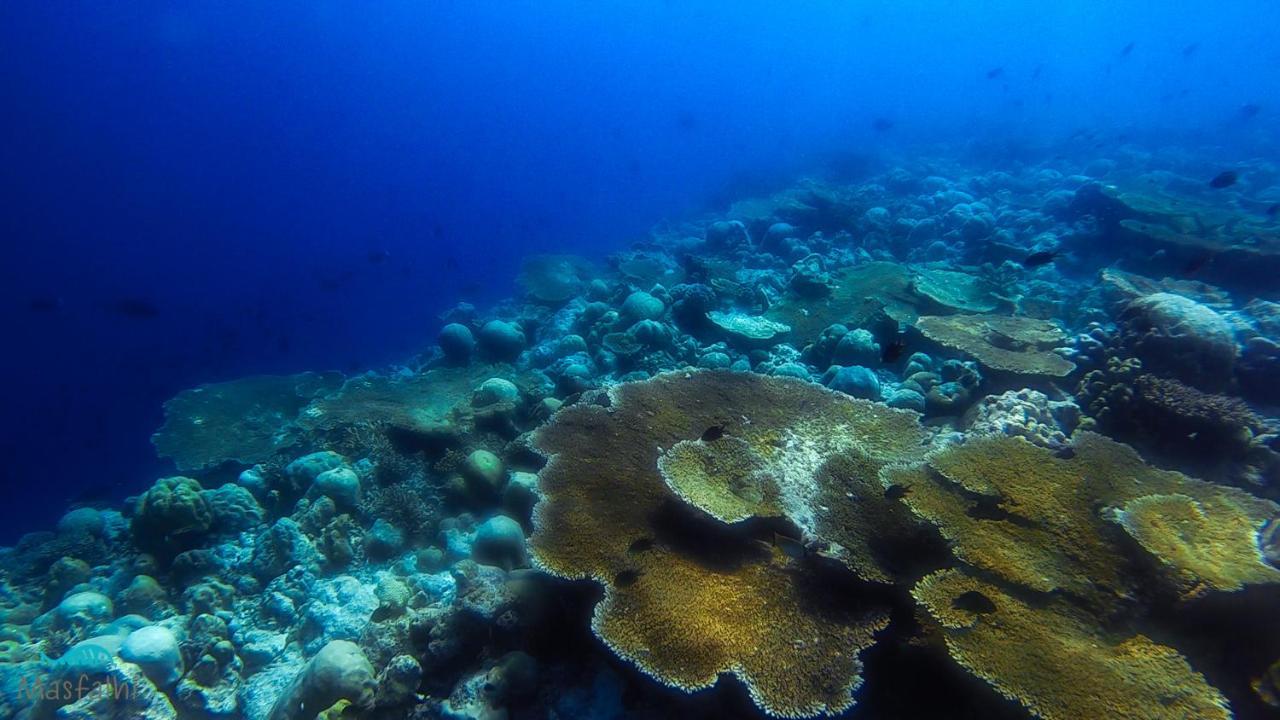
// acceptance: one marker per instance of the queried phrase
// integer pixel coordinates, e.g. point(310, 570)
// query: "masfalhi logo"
point(81, 671)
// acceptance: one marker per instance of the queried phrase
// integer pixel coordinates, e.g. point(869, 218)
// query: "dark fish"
point(790, 547)
point(973, 602)
point(713, 433)
point(137, 308)
point(1190, 50)
point(1195, 264)
point(893, 349)
point(45, 304)
point(451, 263)
point(1035, 74)
point(1044, 257)
point(378, 256)
point(1274, 209)
point(895, 492)
point(1124, 52)
point(1224, 179)
point(882, 124)
point(994, 73)
point(97, 495)
point(626, 578)
point(1249, 110)
point(687, 121)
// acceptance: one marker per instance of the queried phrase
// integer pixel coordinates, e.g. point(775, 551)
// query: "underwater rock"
point(727, 235)
point(502, 340)
point(339, 671)
point(499, 541)
point(1170, 333)
point(855, 380)
point(457, 343)
point(154, 649)
point(341, 484)
point(856, 347)
point(495, 391)
point(641, 305)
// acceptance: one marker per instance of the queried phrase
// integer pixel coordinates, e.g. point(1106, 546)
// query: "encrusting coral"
point(682, 613)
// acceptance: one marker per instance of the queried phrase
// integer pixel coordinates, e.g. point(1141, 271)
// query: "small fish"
point(1224, 179)
point(882, 125)
point(713, 433)
point(378, 256)
point(994, 73)
point(1127, 49)
point(789, 546)
point(1035, 74)
point(1190, 50)
point(893, 349)
point(45, 304)
point(1043, 257)
point(1250, 110)
point(136, 307)
point(1195, 264)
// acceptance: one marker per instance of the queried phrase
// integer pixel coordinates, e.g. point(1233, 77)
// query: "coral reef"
point(846, 422)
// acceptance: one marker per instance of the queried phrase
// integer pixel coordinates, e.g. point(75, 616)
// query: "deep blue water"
point(194, 192)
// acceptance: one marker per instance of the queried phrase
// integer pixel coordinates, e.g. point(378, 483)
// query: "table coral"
point(1058, 664)
point(1019, 345)
point(244, 421)
point(1035, 519)
point(682, 613)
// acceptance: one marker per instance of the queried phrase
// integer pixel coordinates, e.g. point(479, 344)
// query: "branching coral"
point(1019, 345)
point(680, 612)
point(1059, 664)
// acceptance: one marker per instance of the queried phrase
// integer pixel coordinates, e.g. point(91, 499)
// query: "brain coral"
point(682, 607)
point(1058, 663)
